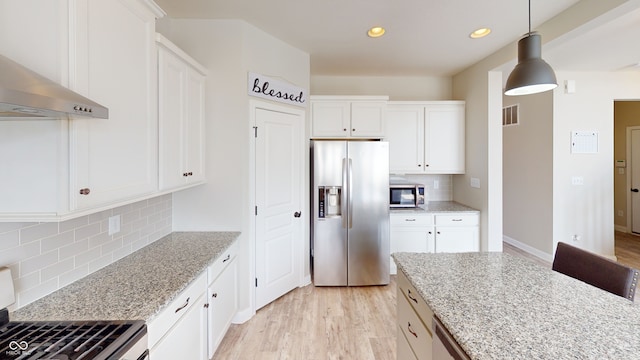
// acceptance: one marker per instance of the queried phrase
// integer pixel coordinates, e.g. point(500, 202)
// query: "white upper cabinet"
point(104, 50)
point(348, 116)
point(426, 137)
point(181, 85)
point(115, 64)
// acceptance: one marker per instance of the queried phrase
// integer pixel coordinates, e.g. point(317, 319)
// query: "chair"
point(596, 270)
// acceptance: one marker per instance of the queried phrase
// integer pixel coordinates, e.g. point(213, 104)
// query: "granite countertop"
point(499, 306)
point(137, 286)
point(436, 207)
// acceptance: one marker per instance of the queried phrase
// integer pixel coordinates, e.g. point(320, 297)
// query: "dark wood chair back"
point(596, 270)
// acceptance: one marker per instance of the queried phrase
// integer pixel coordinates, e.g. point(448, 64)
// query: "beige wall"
point(528, 173)
point(625, 113)
point(398, 88)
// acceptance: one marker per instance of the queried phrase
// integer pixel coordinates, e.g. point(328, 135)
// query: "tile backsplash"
point(444, 190)
point(44, 257)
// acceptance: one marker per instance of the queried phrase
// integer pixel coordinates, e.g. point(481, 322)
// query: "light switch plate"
point(475, 183)
point(114, 224)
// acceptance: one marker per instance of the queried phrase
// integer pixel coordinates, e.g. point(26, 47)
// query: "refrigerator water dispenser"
point(329, 201)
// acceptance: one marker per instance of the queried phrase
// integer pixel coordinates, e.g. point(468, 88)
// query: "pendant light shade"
point(532, 74)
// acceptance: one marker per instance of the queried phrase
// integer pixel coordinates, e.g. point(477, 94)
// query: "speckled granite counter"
point(437, 207)
point(136, 287)
point(499, 306)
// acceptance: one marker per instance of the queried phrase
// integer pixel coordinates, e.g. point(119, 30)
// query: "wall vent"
point(510, 115)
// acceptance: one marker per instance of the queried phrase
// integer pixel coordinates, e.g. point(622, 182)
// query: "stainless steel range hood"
point(26, 94)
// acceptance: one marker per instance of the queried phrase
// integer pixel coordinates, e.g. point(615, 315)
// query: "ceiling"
point(423, 38)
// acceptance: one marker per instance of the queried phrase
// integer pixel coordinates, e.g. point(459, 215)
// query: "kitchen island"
point(498, 306)
point(136, 287)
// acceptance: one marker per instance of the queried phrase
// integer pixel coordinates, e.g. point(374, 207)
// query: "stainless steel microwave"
point(406, 195)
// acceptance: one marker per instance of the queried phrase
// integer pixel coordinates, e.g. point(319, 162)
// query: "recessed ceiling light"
point(480, 33)
point(376, 31)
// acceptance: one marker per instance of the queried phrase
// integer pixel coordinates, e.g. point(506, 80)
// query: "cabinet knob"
point(85, 191)
point(214, 295)
point(190, 173)
point(419, 165)
point(353, 129)
point(185, 174)
point(426, 165)
point(206, 305)
point(345, 129)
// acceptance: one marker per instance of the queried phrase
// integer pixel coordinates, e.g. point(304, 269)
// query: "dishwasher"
point(444, 346)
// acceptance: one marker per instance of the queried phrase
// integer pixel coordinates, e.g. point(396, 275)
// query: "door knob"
point(297, 214)
point(634, 190)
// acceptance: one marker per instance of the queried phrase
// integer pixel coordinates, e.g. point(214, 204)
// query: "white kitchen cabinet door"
point(330, 119)
point(223, 305)
point(454, 239)
point(367, 119)
point(444, 142)
point(115, 159)
point(405, 134)
point(188, 337)
point(181, 87)
point(410, 233)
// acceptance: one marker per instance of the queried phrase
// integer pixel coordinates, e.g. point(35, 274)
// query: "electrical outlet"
point(114, 224)
point(577, 180)
point(576, 238)
point(436, 184)
point(475, 183)
point(620, 212)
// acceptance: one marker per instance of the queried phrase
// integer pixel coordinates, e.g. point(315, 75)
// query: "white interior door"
point(279, 222)
point(635, 181)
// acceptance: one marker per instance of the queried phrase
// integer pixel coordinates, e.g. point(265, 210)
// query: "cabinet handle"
point(206, 305)
point(190, 173)
point(85, 191)
point(345, 129)
point(409, 219)
point(353, 129)
point(214, 295)
point(411, 331)
point(411, 297)
point(437, 232)
point(183, 306)
point(227, 258)
point(426, 165)
point(430, 233)
point(419, 165)
point(456, 219)
point(185, 174)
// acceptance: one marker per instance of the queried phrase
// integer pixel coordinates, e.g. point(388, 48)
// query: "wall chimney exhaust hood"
point(26, 94)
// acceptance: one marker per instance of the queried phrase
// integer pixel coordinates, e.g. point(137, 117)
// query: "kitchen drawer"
point(455, 220)
point(413, 328)
point(215, 269)
point(411, 219)
point(403, 348)
point(179, 306)
point(411, 295)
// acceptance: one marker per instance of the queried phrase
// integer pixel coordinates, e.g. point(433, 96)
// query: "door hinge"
point(255, 131)
point(256, 282)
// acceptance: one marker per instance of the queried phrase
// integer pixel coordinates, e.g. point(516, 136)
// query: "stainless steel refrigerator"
point(350, 229)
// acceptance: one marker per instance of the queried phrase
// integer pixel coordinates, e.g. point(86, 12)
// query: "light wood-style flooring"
point(320, 323)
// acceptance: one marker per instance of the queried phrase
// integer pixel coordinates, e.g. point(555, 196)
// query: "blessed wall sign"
point(276, 90)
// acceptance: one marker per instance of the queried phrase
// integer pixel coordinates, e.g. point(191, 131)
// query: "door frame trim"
point(302, 280)
point(628, 170)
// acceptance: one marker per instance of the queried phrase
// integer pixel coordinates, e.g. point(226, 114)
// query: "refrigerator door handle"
point(343, 204)
point(349, 194)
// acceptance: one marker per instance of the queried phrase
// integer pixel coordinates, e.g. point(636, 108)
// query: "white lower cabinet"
point(415, 335)
point(457, 233)
point(194, 323)
point(222, 298)
point(179, 331)
point(410, 232)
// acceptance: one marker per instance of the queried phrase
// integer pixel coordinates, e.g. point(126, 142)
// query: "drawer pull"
point(409, 219)
point(186, 303)
point(227, 258)
point(214, 295)
point(411, 331)
point(456, 219)
point(411, 297)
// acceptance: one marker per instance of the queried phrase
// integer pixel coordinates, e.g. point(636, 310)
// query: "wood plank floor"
point(320, 323)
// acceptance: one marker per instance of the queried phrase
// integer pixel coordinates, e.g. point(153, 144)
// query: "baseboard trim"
point(621, 228)
point(243, 316)
point(528, 249)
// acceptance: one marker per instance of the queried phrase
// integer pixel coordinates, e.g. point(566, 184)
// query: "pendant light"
point(532, 74)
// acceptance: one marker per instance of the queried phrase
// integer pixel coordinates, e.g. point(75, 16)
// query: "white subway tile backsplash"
point(44, 257)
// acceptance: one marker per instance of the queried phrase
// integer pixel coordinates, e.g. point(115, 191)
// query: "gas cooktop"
point(62, 340)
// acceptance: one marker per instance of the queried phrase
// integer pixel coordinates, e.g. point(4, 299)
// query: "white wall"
point(398, 88)
point(587, 210)
point(230, 49)
point(528, 173)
